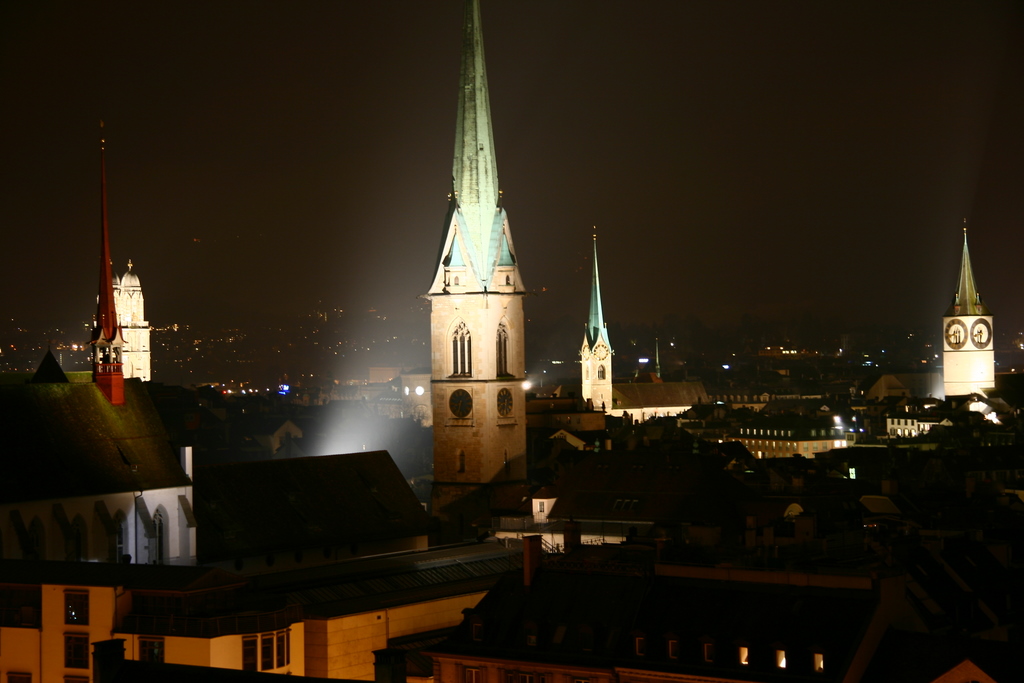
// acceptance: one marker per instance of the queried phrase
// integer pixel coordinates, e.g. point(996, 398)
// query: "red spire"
point(106, 336)
point(106, 314)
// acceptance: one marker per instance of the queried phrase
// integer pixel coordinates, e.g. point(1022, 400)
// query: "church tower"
point(476, 318)
point(968, 358)
point(107, 343)
point(131, 313)
point(596, 353)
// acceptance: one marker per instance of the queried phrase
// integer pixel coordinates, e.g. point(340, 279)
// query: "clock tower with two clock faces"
point(968, 358)
point(476, 319)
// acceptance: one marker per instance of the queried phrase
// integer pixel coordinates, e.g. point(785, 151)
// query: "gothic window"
point(120, 537)
point(462, 351)
point(502, 351)
point(600, 372)
point(586, 372)
point(462, 461)
point(157, 556)
point(37, 540)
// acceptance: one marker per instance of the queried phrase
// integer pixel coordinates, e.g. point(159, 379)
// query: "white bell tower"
point(968, 356)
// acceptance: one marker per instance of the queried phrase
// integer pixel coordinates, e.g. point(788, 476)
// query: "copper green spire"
point(595, 325)
point(967, 299)
point(475, 171)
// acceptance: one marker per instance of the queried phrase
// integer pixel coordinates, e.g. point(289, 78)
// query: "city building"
point(968, 355)
point(131, 315)
point(51, 613)
point(476, 318)
point(787, 436)
point(89, 474)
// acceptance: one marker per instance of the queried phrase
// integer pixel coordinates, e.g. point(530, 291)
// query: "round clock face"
point(504, 402)
point(585, 352)
point(981, 334)
point(956, 333)
point(460, 403)
point(601, 352)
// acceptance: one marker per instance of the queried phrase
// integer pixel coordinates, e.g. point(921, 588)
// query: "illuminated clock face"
point(601, 352)
point(504, 402)
point(981, 334)
point(585, 352)
point(460, 403)
point(956, 333)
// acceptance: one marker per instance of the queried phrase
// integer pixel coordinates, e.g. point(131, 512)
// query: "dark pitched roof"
point(667, 487)
point(251, 508)
point(591, 617)
point(65, 440)
point(134, 576)
point(49, 371)
point(905, 657)
point(649, 396)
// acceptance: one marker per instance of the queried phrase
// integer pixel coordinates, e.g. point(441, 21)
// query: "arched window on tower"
point(600, 372)
point(462, 351)
point(502, 351)
point(462, 461)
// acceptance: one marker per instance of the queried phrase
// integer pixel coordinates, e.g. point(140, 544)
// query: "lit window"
point(780, 659)
point(744, 653)
point(540, 506)
point(471, 675)
point(819, 662)
point(76, 607)
point(151, 650)
point(640, 645)
point(673, 649)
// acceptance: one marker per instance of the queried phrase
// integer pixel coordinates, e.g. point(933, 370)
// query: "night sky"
point(771, 158)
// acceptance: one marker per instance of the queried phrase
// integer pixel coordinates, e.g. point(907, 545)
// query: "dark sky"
point(775, 158)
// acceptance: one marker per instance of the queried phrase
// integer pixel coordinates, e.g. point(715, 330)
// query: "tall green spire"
point(967, 299)
point(475, 170)
point(595, 325)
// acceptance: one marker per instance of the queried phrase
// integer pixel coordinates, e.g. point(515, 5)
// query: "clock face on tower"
point(601, 352)
point(956, 333)
point(460, 403)
point(981, 334)
point(504, 402)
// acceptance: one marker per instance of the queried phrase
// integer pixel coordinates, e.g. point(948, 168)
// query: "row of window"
point(77, 548)
point(462, 352)
point(267, 651)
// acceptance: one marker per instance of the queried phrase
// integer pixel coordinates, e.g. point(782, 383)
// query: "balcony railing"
point(212, 627)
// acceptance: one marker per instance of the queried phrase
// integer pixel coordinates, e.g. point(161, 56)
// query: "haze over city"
point(743, 158)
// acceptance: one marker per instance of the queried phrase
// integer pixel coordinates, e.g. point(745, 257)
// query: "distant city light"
point(643, 360)
point(725, 366)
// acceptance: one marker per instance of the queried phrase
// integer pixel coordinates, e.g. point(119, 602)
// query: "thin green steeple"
point(595, 325)
point(475, 170)
point(967, 299)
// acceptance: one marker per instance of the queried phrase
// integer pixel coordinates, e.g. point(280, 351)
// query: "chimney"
point(389, 665)
point(531, 558)
point(572, 535)
point(107, 658)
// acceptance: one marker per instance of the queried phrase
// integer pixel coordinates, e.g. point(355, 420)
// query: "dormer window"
point(708, 649)
point(780, 658)
point(744, 655)
point(478, 631)
point(531, 634)
point(640, 645)
point(673, 648)
point(819, 662)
